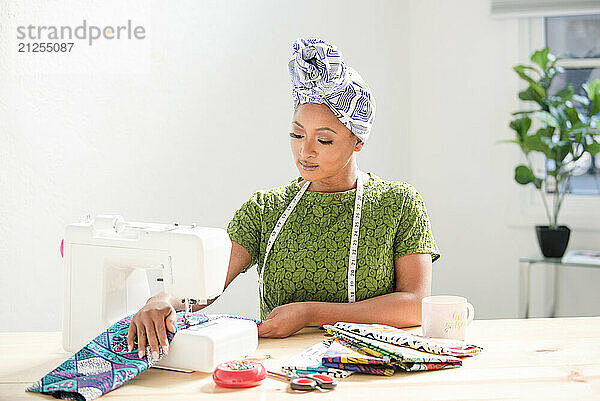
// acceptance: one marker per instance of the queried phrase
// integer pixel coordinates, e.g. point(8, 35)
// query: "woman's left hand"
point(285, 320)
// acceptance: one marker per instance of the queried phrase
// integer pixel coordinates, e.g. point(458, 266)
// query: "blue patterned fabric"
point(320, 75)
point(106, 363)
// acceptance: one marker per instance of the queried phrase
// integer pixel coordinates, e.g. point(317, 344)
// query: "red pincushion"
point(238, 374)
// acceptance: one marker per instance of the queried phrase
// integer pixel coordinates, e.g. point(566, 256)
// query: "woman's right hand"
point(159, 313)
point(149, 325)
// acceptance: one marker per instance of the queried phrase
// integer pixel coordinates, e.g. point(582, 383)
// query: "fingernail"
point(154, 355)
point(140, 353)
point(130, 348)
point(165, 349)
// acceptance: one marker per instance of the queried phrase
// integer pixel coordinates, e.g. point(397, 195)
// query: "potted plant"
point(564, 128)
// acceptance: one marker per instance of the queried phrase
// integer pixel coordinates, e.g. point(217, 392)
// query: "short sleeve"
point(245, 226)
point(414, 232)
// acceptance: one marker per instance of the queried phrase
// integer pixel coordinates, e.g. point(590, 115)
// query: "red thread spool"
point(239, 374)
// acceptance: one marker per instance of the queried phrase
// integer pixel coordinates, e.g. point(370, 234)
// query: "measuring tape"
point(353, 240)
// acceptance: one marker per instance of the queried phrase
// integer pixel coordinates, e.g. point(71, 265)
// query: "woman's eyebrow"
point(318, 129)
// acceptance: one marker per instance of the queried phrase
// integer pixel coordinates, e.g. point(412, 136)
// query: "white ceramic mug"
point(446, 316)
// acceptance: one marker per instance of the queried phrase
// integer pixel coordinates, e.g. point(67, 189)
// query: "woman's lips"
point(308, 167)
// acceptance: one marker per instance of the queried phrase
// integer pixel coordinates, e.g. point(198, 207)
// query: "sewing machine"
point(112, 267)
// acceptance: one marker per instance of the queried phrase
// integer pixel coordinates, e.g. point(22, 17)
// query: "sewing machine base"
point(201, 348)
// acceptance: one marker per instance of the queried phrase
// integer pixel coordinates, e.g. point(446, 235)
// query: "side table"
point(525, 280)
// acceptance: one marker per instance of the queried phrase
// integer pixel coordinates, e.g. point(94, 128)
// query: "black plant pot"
point(553, 243)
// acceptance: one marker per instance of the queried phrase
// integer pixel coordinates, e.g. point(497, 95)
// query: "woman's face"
point(322, 146)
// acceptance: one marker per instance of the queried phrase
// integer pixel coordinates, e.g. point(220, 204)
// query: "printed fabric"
point(310, 361)
point(347, 356)
point(320, 75)
point(403, 338)
point(402, 358)
point(106, 363)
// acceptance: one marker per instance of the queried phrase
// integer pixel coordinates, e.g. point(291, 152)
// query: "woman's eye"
point(296, 136)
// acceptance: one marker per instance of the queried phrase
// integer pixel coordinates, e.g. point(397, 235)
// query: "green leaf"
point(578, 129)
point(533, 84)
point(288, 286)
point(593, 148)
point(566, 93)
point(542, 57)
point(279, 274)
point(516, 113)
point(320, 254)
point(299, 255)
point(534, 142)
point(522, 67)
point(310, 286)
point(593, 92)
point(572, 115)
point(547, 119)
point(561, 97)
point(298, 275)
point(320, 275)
point(564, 148)
point(523, 175)
point(289, 265)
point(521, 127)
point(310, 265)
point(545, 145)
point(530, 95)
point(381, 232)
point(371, 284)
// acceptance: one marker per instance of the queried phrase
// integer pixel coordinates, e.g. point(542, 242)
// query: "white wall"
point(186, 124)
point(462, 91)
point(182, 126)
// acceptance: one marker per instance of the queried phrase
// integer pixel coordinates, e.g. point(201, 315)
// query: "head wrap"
point(319, 75)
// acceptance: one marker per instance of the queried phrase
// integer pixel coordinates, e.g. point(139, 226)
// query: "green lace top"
point(309, 259)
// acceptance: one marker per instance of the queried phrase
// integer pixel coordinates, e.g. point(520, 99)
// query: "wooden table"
point(522, 359)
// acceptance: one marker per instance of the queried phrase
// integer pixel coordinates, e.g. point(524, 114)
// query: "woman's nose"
point(307, 149)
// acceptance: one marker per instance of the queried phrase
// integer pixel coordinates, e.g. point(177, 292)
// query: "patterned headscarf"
point(319, 75)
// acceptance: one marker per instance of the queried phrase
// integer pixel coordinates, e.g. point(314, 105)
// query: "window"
point(578, 39)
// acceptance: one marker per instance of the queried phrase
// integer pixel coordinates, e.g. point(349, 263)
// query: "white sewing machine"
point(112, 267)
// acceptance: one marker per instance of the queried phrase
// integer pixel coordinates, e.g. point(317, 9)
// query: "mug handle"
point(471, 313)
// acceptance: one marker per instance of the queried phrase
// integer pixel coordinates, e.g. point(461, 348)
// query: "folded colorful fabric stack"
point(310, 361)
point(376, 349)
point(403, 338)
point(347, 356)
point(106, 363)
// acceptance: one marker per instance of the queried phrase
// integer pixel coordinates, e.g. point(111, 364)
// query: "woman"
point(335, 244)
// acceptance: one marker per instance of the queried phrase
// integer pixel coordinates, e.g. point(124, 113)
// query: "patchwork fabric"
point(320, 75)
point(106, 363)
